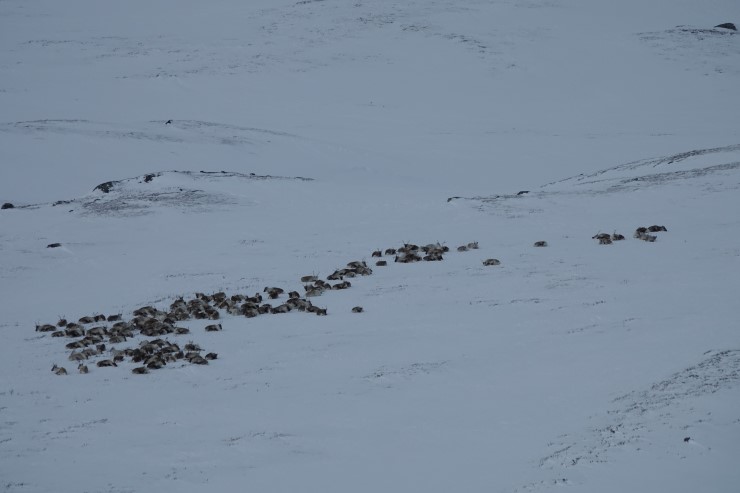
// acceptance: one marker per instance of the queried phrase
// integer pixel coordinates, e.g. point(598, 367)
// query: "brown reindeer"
point(284, 308)
point(655, 228)
point(273, 293)
point(77, 356)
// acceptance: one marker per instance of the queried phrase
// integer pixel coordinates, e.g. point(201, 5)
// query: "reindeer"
point(314, 291)
point(156, 363)
point(408, 248)
point(97, 331)
point(655, 228)
point(642, 233)
point(284, 308)
point(77, 356)
point(74, 330)
point(273, 293)
point(257, 298)
point(316, 310)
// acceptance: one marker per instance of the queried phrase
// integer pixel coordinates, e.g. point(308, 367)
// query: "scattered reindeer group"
point(95, 338)
point(641, 233)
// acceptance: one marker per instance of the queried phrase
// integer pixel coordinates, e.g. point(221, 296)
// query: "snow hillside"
point(184, 157)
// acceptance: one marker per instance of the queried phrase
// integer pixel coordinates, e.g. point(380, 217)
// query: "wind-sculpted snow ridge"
point(684, 165)
point(324, 31)
point(174, 189)
point(166, 132)
point(636, 416)
point(707, 50)
point(711, 169)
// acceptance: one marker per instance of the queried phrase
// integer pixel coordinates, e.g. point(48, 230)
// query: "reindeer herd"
point(100, 339)
point(641, 233)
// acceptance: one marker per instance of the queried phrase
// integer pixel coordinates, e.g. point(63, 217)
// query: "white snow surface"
point(307, 134)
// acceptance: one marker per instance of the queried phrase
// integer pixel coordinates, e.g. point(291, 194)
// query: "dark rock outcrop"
point(105, 187)
point(727, 25)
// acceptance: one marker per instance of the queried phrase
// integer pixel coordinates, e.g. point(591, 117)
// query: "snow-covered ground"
point(306, 135)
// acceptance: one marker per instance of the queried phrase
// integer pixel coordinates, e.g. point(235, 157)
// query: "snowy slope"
point(306, 135)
